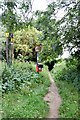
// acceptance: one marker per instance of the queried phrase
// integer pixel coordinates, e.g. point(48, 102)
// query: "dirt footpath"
point(53, 98)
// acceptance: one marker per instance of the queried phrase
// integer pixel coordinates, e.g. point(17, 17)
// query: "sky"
point(42, 5)
point(39, 5)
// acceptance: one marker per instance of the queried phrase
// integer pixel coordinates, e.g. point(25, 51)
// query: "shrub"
point(67, 71)
point(27, 102)
point(17, 75)
point(66, 76)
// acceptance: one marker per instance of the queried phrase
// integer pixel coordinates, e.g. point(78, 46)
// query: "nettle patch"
point(19, 75)
point(24, 90)
point(67, 71)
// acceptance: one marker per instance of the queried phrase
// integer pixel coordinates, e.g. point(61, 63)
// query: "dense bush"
point(67, 70)
point(25, 41)
point(24, 90)
point(66, 76)
point(19, 74)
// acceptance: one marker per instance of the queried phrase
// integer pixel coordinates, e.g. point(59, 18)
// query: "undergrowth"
point(67, 79)
point(23, 91)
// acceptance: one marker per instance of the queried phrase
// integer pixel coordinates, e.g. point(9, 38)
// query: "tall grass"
point(66, 77)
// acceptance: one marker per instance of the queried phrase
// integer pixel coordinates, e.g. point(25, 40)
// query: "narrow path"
point(53, 98)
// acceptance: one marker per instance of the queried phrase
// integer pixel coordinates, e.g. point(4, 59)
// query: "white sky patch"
point(65, 54)
point(60, 14)
point(39, 5)
point(42, 5)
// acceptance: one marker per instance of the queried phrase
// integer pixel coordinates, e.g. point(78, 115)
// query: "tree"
point(9, 21)
point(13, 21)
point(25, 41)
point(46, 23)
point(69, 29)
point(70, 24)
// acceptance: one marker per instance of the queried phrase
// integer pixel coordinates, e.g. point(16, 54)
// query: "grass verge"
point(2, 65)
point(69, 95)
point(28, 101)
point(68, 92)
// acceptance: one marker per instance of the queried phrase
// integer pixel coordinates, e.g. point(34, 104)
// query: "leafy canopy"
point(25, 41)
point(46, 23)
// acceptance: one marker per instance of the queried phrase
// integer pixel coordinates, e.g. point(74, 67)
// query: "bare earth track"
point(53, 98)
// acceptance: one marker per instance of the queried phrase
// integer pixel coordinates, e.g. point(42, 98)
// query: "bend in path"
point(53, 98)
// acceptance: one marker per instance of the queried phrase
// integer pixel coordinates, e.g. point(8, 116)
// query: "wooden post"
point(12, 51)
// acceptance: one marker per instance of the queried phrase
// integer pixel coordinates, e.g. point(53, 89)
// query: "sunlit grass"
point(17, 105)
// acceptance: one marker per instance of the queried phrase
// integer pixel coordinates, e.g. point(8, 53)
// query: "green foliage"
point(69, 25)
point(46, 23)
point(69, 107)
point(67, 72)
point(8, 17)
point(50, 51)
point(15, 14)
point(13, 77)
point(26, 101)
point(25, 41)
point(20, 75)
point(67, 79)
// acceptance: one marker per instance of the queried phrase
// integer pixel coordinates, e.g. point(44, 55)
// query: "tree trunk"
point(7, 51)
point(12, 51)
